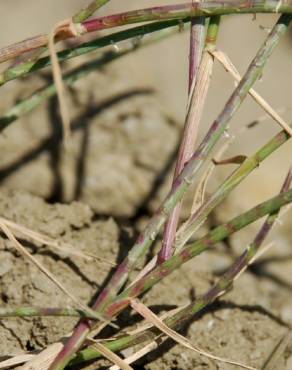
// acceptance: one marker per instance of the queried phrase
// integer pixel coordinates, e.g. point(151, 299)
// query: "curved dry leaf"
point(18, 246)
point(148, 315)
point(111, 356)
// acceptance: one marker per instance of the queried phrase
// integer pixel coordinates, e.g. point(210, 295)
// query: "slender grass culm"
point(194, 165)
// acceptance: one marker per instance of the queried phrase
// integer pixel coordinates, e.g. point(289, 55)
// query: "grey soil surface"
point(245, 326)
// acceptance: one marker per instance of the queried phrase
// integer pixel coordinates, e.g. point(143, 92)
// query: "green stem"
point(39, 311)
point(241, 263)
point(30, 103)
point(33, 66)
point(181, 185)
point(271, 206)
point(251, 163)
point(191, 9)
point(197, 97)
point(254, 161)
point(89, 10)
point(167, 12)
point(196, 248)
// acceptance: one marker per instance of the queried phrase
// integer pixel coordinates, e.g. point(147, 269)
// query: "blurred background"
point(162, 68)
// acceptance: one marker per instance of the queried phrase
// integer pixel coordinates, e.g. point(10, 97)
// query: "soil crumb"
point(244, 326)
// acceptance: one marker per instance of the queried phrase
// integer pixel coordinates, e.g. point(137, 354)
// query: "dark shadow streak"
point(263, 273)
point(77, 124)
point(143, 208)
point(259, 270)
point(55, 152)
point(80, 166)
point(273, 259)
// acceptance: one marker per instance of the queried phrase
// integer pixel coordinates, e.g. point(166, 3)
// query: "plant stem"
point(167, 12)
point(197, 95)
point(39, 311)
point(40, 41)
point(187, 176)
point(181, 185)
point(33, 66)
point(197, 42)
point(271, 206)
point(196, 248)
point(191, 9)
point(241, 263)
point(163, 270)
point(28, 104)
point(251, 163)
point(89, 10)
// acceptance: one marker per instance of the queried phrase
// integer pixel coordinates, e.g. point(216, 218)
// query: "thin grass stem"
point(28, 104)
point(250, 164)
point(86, 12)
point(27, 67)
point(271, 206)
point(167, 12)
point(181, 185)
point(199, 85)
point(41, 312)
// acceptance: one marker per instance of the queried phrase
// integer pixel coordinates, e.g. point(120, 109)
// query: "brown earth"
point(127, 120)
point(244, 326)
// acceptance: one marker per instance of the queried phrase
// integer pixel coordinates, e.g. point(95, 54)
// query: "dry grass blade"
point(112, 356)
point(156, 321)
point(57, 73)
point(150, 346)
point(16, 360)
point(146, 269)
point(46, 240)
point(46, 272)
point(277, 352)
point(228, 65)
point(139, 354)
point(43, 360)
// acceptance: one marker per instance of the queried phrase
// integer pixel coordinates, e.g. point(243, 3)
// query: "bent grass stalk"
point(182, 183)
